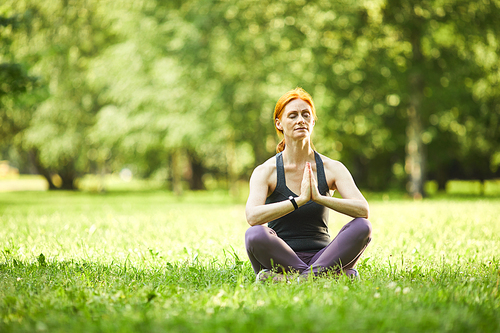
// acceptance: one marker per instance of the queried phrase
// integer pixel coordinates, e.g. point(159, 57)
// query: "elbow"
point(361, 213)
point(251, 222)
point(365, 212)
point(252, 219)
point(255, 218)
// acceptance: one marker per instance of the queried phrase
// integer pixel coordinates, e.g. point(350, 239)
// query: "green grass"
point(150, 262)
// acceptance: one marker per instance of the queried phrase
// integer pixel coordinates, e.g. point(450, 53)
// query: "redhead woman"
point(291, 193)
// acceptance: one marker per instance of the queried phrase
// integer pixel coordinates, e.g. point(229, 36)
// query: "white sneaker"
point(352, 273)
point(268, 275)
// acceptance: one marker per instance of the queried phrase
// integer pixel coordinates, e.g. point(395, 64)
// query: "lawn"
point(151, 262)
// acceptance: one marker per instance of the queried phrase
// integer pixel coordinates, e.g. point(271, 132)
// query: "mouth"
point(301, 129)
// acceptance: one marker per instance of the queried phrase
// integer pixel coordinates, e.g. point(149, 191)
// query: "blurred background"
point(180, 94)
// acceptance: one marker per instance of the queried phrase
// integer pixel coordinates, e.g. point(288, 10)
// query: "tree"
point(412, 70)
point(15, 81)
point(381, 72)
point(55, 43)
point(447, 45)
point(186, 89)
point(156, 118)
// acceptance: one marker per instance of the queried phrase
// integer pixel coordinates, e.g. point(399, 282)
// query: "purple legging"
point(266, 250)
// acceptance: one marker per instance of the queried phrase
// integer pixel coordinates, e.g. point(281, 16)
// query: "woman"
point(291, 192)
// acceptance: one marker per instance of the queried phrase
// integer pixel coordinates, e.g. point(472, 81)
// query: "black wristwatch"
point(294, 203)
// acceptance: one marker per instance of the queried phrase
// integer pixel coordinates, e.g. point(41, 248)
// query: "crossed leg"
point(266, 250)
point(345, 249)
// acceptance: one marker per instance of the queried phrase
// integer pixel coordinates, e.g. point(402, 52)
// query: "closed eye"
point(305, 114)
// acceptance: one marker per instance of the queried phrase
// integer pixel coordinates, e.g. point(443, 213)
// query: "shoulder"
point(263, 179)
point(332, 165)
point(266, 169)
point(335, 171)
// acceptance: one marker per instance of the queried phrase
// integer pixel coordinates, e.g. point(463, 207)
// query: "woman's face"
point(297, 120)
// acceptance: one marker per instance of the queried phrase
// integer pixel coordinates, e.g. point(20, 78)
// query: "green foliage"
point(186, 89)
point(14, 82)
point(56, 41)
point(150, 262)
point(456, 48)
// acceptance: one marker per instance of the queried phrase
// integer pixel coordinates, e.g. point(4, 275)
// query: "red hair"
point(297, 93)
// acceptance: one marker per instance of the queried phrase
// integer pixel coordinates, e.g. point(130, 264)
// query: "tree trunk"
point(197, 171)
point(441, 181)
point(415, 156)
point(68, 177)
point(175, 167)
point(33, 156)
point(415, 161)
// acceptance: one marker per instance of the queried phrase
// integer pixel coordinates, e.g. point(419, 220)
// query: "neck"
point(298, 152)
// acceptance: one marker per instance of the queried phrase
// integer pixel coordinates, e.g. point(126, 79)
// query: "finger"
point(306, 183)
point(307, 169)
point(310, 171)
point(313, 179)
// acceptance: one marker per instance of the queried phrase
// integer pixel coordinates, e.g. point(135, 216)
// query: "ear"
point(278, 124)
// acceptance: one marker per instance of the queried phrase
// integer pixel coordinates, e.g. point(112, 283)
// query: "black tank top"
point(305, 229)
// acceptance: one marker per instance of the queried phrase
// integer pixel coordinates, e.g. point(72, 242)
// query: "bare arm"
point(257, 212)
point(352, 203)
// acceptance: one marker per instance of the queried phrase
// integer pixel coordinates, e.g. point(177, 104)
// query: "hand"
point(305, 187)
point(314, 186)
